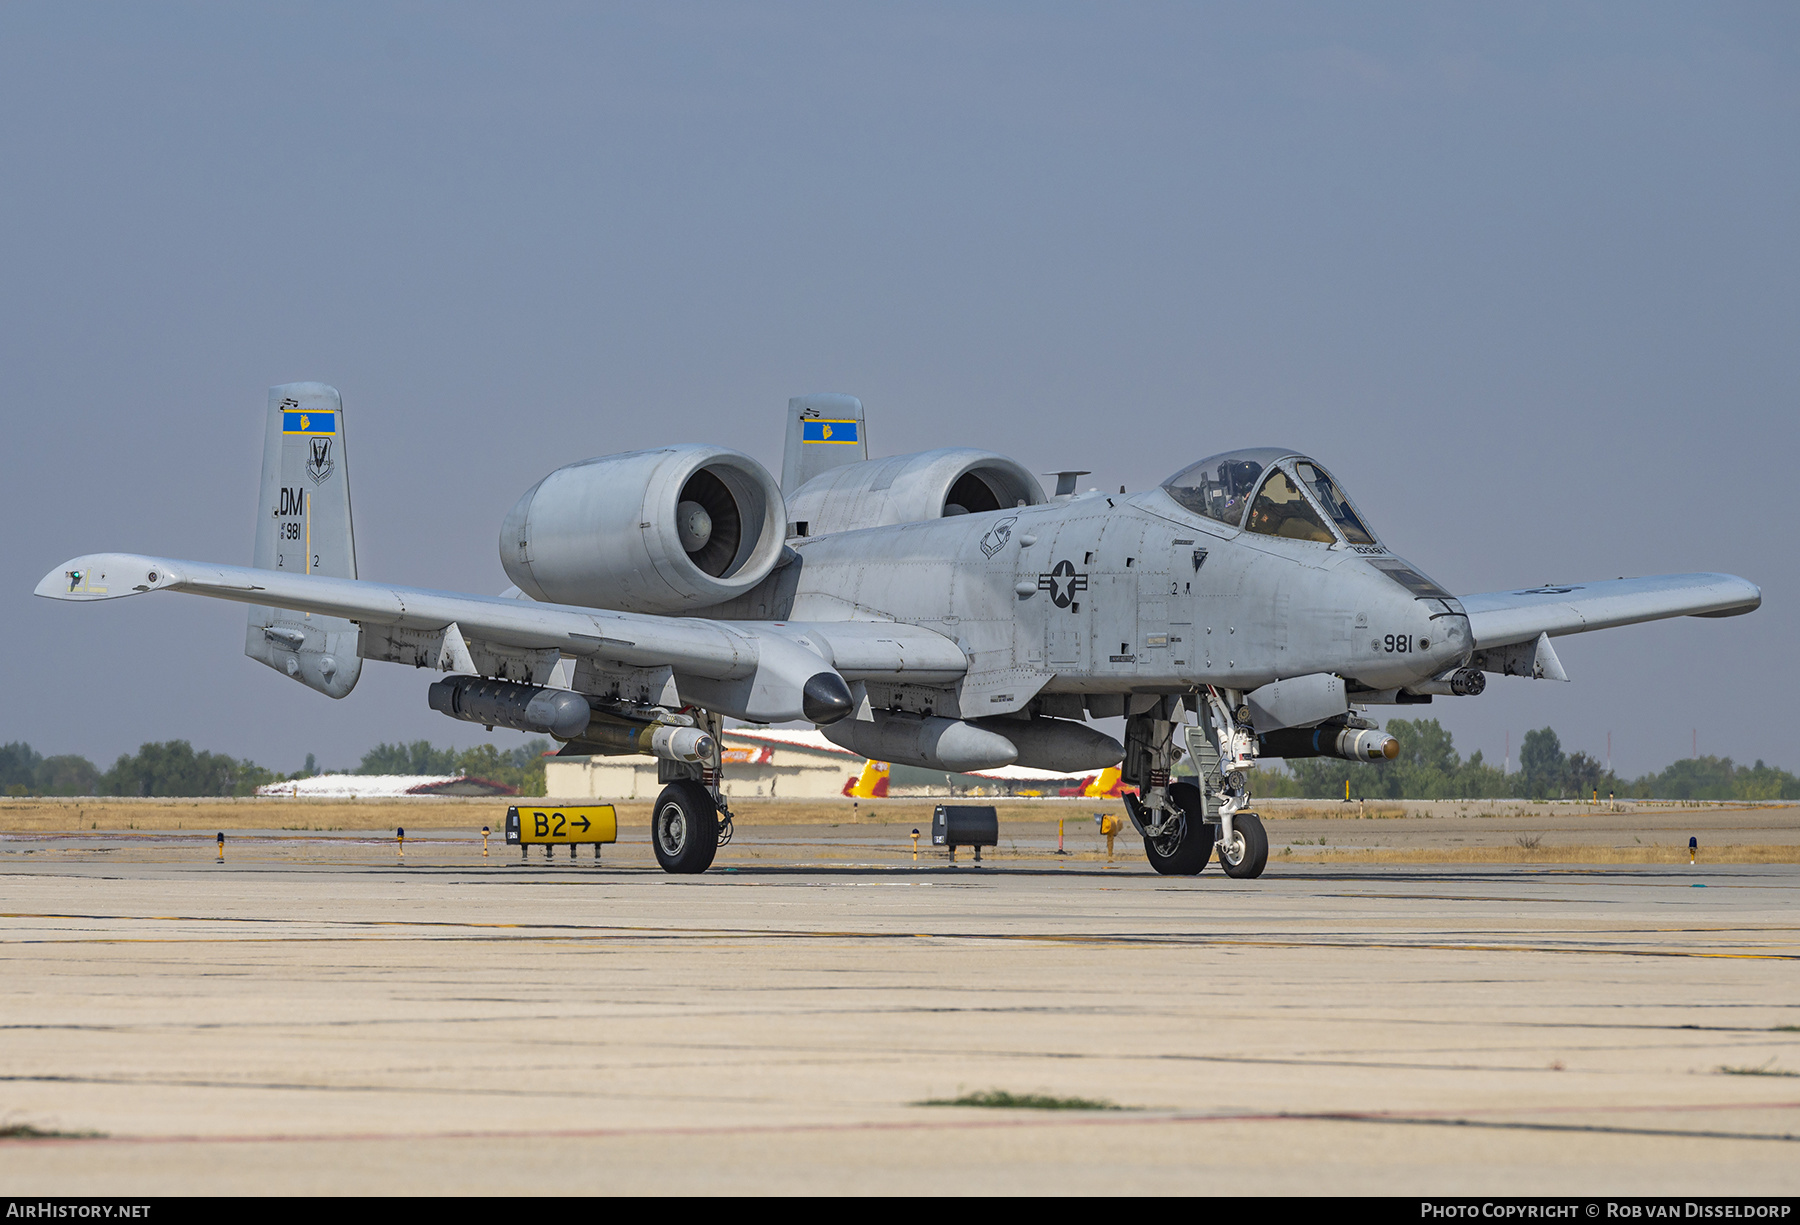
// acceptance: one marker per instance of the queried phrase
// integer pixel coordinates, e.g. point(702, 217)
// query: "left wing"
point(1503, 618)
point(765, 672)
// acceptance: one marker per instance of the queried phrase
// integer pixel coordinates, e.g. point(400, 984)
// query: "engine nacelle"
point(648, 531)
point(909, 489)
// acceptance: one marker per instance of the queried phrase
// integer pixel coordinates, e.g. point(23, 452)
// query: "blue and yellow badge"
point(829, 431)
point(306, 422)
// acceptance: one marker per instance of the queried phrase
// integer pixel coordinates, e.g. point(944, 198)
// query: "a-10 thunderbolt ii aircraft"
point(935, 609)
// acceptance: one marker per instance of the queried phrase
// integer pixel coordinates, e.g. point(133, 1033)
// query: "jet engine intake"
point(649, 531)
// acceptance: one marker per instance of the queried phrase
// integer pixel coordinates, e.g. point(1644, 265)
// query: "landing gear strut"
point(691, 820)
point(1181, 822)
point(1171, 816)
point(1243, 845)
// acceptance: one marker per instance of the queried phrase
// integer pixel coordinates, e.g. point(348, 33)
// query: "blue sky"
point(1522, 276)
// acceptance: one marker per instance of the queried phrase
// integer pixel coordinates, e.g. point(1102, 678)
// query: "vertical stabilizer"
point(823, 431)
point(303, 526)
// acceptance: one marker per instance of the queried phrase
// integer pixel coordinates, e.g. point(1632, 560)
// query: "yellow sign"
point(561, 824)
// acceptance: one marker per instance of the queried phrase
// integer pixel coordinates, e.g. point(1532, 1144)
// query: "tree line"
point(173, 768)
point(1429, 768)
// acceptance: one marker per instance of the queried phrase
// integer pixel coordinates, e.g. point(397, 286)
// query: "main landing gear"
point(685, 827)
point(1182, 822)
point(1185, 849)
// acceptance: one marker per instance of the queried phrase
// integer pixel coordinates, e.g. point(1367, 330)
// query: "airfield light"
point(484, 837)
point(400, 843)
point(221, 846)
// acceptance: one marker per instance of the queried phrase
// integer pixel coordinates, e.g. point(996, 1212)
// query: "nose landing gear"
point(1245, 852)
point(1182, 822)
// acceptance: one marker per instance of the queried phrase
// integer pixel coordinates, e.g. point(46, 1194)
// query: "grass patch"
point(1761, 1069)
point(25, 1131)
point(1000, 1099)
point(1787, 1029)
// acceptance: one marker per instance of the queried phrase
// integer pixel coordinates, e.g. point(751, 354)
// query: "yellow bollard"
point(1059, 837)
point(915, 846)
point(221, 846)
point(484, 837)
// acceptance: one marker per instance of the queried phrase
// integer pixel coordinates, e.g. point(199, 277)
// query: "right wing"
point(1503, 618)
point(753, 670)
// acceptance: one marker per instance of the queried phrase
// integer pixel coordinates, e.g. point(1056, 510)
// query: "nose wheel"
point(1245, 854)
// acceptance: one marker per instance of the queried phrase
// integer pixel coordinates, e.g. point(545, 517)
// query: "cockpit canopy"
point(1272, 491)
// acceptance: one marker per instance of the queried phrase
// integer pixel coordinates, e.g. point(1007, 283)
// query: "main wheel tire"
point(684, 827)
point(1186, 853)
point(1247, 853)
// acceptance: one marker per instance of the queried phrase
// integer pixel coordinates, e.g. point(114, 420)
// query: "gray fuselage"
point(1121, 594)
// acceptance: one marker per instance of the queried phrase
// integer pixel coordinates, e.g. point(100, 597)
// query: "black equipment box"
point(955, 825)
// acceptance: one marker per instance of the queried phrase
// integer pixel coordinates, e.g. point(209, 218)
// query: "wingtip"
point(1748, 597)
point(105, 576)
